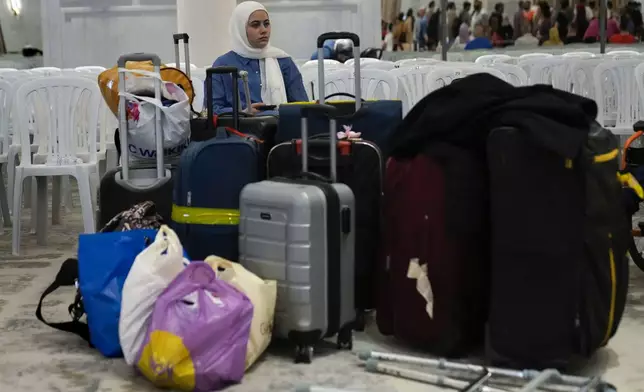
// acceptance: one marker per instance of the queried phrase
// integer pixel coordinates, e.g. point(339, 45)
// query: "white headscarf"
point(273, 89)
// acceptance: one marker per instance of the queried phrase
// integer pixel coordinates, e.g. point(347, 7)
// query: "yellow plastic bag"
point(262, 294)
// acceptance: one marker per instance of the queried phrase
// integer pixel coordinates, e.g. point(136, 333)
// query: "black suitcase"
point(360, 166)
point(262, 127)
point(559, 234)
point(126, 186)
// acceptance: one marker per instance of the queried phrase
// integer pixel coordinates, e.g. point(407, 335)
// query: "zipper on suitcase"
point(613, 290)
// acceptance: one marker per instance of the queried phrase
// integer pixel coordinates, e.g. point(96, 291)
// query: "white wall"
point(206, 22)
point(298, 23)
point(89, 32)
point(82, 32)
point(22, 30)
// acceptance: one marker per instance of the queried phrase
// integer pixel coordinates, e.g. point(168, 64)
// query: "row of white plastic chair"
point(410, 80)
point(57, 124)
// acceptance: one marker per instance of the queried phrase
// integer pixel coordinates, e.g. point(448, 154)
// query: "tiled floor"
point(34, 357)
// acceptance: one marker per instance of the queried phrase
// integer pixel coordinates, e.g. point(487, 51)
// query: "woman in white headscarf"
point(273, 76)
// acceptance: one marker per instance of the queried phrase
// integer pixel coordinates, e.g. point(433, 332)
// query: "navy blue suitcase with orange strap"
point(211, 175)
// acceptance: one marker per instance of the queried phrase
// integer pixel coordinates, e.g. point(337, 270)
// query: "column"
point(206, 21)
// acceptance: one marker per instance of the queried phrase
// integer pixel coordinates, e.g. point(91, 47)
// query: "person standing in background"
point(420, 30)
point(388, 41)
point(399, 32)
point(588, 10)
point(430, 9)
point(410, 24)
point(520, 22)
point(465, 15)
point(451, 20)
point(563, 19)
point(478, 14)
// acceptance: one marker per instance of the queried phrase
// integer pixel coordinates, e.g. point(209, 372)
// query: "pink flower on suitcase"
point(348, 133)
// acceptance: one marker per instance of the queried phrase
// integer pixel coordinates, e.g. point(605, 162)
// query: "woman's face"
point(258, 29)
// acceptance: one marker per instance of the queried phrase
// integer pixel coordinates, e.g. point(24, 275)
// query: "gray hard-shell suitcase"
point(125, 186)
point(300, 232)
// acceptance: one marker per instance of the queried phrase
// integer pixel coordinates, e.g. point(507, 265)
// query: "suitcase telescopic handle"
point(123, 124)
point(234, 72)
point(178, 37)
point(335, 35)
point(320, 110)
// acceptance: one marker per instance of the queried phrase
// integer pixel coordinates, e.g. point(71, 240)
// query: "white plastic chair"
point(335, 81)
point(328, 64)
point(383, 65)
point(581, 73)
point(199, 73)
point(466, 71)
point(622, 54)
point(415, 62)
point(412, 85)
point(6, 102)
point(617, 93)
point(62, 106)
point(378, 84)
point(198, 87)
point(91, 69)
point(585, 55)
point(363, 61)
point(441, 76)
point(534, 56)
point(491, 58)
point(46, 71)
point(554, 71)
point(514, 74)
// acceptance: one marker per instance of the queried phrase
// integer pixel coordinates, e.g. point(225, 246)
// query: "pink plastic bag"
point(198, 335)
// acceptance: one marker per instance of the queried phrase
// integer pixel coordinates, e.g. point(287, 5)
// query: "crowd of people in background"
point(534, 23)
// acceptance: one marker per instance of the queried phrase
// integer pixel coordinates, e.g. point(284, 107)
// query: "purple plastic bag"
point(198, 335)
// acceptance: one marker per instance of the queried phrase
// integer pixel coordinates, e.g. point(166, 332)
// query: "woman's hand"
point(256, 107)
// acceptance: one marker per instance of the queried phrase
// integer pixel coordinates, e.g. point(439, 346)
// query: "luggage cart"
point(481, 378)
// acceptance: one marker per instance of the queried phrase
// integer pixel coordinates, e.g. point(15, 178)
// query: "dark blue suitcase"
point(375, 120)
point(209, 180)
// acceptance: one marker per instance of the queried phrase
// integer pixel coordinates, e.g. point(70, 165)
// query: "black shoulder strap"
point(67, 276)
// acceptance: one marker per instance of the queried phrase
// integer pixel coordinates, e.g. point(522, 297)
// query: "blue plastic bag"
point(104, 261)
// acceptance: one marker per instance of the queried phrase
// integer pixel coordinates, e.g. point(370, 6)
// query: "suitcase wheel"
point(345, 338)
point(361, 321)
point(303, 354)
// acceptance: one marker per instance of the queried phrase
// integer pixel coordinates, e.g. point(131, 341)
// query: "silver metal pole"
point(443, 34)
point(602, 26)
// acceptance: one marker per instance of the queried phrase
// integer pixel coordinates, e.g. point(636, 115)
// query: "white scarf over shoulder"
point(273, 88)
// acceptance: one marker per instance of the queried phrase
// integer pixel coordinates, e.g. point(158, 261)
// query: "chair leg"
point(67, 194)
point(30, 200)
point(30, 195)
point(41, 210)
point(17, 209)
point(4, 201)
point(85, 191)
point(56, 194)
point(11, 172)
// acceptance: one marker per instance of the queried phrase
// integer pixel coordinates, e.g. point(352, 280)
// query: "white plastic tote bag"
point(262, 294)
point(153, 270)
point(141, 110)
